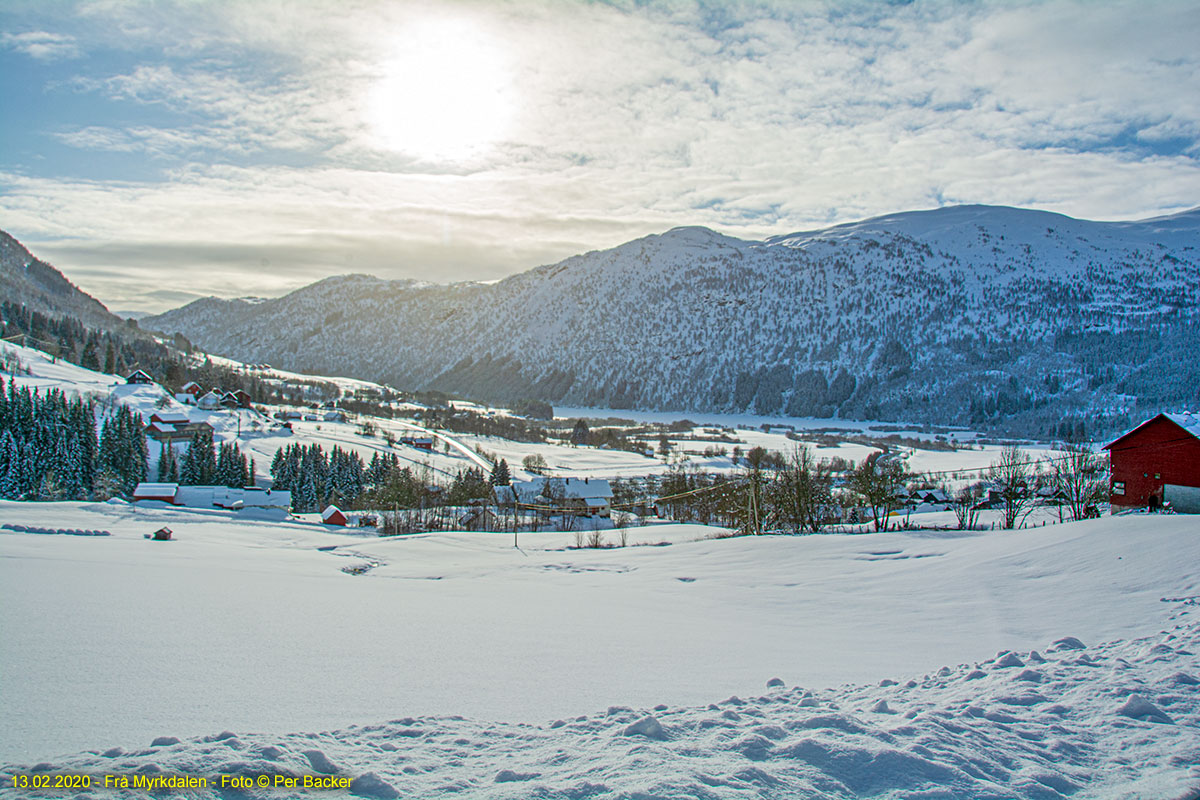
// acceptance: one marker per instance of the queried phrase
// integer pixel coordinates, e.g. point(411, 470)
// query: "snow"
point(1044, 662)
point(1189, 421)
point(254, 628)
point(52, 373)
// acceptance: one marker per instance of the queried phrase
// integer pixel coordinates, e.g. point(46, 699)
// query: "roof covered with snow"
point(558, 488)
point(1188, 420)
point(155, 490)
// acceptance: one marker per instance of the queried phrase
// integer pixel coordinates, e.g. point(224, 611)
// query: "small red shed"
point(1163, 451)
point(332, 515)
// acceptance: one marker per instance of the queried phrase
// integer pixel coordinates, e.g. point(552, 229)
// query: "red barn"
point(1162, 455)
point(332, 515)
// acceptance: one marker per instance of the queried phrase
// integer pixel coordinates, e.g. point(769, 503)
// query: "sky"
point(159, 151)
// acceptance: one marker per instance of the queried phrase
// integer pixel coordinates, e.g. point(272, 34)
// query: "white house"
point(209, 400)
point(580, 496)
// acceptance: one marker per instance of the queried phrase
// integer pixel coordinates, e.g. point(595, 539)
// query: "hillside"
point(40, 287)
point(979, 315)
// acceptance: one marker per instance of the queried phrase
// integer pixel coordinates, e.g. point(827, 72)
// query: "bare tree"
point(1079, 478)
point(800, 495)
point(752, 515)
point(877, 480)
point(965, 503)
point(1013, 477)
point(535, 464)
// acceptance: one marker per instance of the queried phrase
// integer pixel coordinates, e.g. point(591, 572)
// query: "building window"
point(1118, 487)
point(1158, 476)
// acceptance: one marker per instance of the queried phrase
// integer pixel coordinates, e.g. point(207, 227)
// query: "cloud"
point(42, 45)
point(752, 118)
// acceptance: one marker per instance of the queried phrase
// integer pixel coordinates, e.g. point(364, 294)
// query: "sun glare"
point(444, 94)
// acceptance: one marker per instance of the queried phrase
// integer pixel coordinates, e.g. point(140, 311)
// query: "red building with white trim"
point(1162, 452)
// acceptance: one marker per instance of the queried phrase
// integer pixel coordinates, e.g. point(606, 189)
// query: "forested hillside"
point(990, 316)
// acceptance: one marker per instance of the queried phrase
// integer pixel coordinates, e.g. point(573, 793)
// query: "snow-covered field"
point(459, 664)
point(260, 438)
point(254, 628)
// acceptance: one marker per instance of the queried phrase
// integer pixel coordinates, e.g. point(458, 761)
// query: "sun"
point(444, 93)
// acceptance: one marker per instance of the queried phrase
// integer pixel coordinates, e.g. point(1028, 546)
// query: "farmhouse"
point(579, 496)
point(188, 394)
point(1157, 462)
point(139, 376)
point(419, 442)
point(235, 399)
point(164, 492)
point(234, 499)
point(210, 400)
point(162, 430)
point(169, 417)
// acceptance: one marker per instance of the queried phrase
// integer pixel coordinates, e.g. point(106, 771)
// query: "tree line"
point(797, 493)
point(317, 478)
point(203, 463)
point(50, 449)
point(119, 352)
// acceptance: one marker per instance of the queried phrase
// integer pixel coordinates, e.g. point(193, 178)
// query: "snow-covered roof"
point(331, 510)
point(227, 497)
point(588, 489)
point(145, 490)
point(1187, 420)
point(169, 417)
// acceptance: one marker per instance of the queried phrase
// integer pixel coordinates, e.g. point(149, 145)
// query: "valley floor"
point(886, 646)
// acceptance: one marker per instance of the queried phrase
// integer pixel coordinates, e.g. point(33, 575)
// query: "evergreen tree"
point(468, 485)
point(305, 499)
point(231, 466)
point(168, 467)
point(199, 467)
point(122, 449)
point(10, 466)
point(500, 475)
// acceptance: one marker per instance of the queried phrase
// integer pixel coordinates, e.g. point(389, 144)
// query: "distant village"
point(1155, 466)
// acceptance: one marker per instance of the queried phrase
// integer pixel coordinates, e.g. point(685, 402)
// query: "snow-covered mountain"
point(970, 314)
point(27, 280)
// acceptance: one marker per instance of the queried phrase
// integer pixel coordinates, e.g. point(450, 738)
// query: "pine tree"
point(199, 466)
point(10, 466)
point(500, 475)
point(168, 468)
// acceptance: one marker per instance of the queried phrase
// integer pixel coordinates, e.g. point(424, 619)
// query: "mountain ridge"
point(997, 317)
point(36, 284)
point(984, 315)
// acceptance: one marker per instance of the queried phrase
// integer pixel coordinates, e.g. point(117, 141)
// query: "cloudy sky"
point(157, 151)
